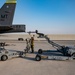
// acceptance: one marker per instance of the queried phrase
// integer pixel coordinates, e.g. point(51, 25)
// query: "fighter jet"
point(6, 18)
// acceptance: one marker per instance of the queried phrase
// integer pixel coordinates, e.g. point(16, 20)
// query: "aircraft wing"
point(18, 28)
point(12, 28)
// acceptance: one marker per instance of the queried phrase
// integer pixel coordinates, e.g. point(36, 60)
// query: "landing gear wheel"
point(38, 58)
point(40, 51)
point(4, 58)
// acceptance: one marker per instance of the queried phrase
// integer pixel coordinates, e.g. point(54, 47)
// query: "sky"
point(47, 16)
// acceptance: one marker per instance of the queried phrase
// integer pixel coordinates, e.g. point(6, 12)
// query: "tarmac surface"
point(28, 65)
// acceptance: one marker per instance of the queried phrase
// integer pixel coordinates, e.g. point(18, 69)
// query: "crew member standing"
point(32, 44)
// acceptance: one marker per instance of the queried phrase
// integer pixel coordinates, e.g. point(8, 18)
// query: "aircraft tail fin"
point(7, 12)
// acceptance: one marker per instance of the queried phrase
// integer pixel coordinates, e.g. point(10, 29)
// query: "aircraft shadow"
point(30, 58)
point(51, 52)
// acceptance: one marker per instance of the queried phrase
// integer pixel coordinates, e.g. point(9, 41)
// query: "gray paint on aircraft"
point(6, 19)
point(7, 13)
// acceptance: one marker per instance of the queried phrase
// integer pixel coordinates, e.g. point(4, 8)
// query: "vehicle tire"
point(4, 58)
point(20, 39)
point(38, 58)
point(40, 51)
point(73, 55)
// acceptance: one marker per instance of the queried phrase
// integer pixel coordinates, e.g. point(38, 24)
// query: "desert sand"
point(51, 36)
